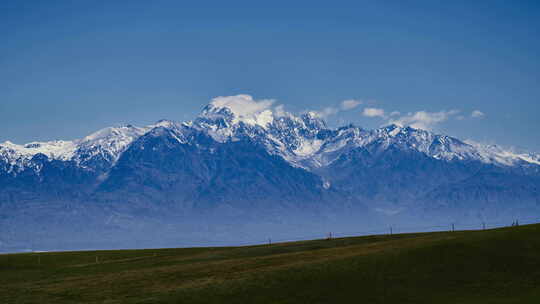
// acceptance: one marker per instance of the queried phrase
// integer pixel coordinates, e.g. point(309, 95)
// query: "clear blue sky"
point(68, 69)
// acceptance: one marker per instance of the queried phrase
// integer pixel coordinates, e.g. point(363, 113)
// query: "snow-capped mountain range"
point(303, 140)
point(249, 165)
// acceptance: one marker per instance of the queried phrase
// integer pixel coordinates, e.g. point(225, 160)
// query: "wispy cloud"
point(345, 105)
point(328, 111)
point(423, 119)
point(350, 104)
point(279, 110)
point(477, 114)
point(374, 112)
point(250, 110)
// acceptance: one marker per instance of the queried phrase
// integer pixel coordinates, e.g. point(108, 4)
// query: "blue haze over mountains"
point(239, 175)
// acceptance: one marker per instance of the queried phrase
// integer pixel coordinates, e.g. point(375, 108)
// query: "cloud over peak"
point(242, 104)
point(373, 112)
point(477, 114)
point(345, 105)
point(423, 119)
point(350, 104)
point(246, 109)
point(262, 112)
point(420, 120)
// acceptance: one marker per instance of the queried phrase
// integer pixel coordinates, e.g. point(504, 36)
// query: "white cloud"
point(242, 105)
point(262, 112)
point(345, 105)
point(246, 109)
point(279, 111)
point(328, 111)
point(477, 114)
point(422, 119)
point(373, 112)
point(350, 104)
point(419, 120)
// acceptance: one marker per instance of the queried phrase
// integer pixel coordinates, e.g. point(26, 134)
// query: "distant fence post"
point(269, 241)
point(453, 227)
point(483, 226)
point(391, 232)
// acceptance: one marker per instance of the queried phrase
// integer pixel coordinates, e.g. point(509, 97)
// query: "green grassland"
point(492, 266)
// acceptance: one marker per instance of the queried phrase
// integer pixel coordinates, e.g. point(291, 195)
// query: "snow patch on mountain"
point(308, 147)
point(494, 153)
point(19, 156)
point(58, 149)
point(107, 143)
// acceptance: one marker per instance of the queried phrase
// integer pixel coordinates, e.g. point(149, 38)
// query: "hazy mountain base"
point(96, 225)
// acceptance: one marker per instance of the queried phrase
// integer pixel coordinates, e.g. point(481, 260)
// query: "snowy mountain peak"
point(98, 150)
point(313, 121)
point(239, 108)
point(507, 157)
point(17, 157)
point(106, 145)
point(114, 133)
point(58, 149)
point(169, 124)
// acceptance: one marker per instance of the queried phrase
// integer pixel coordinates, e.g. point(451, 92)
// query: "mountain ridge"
point(298, 137)
point(233, 168)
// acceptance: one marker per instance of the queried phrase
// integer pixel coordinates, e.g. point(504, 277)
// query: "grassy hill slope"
point(492, 266)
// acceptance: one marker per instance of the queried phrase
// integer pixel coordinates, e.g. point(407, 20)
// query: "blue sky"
point(68, 69)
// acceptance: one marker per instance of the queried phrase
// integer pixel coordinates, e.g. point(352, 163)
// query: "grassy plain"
point(491, 266)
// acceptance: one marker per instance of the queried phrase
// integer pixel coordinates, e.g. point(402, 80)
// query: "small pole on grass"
point(391, 232)
point(269, 241)
point(452, 227)
point(483, 226)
